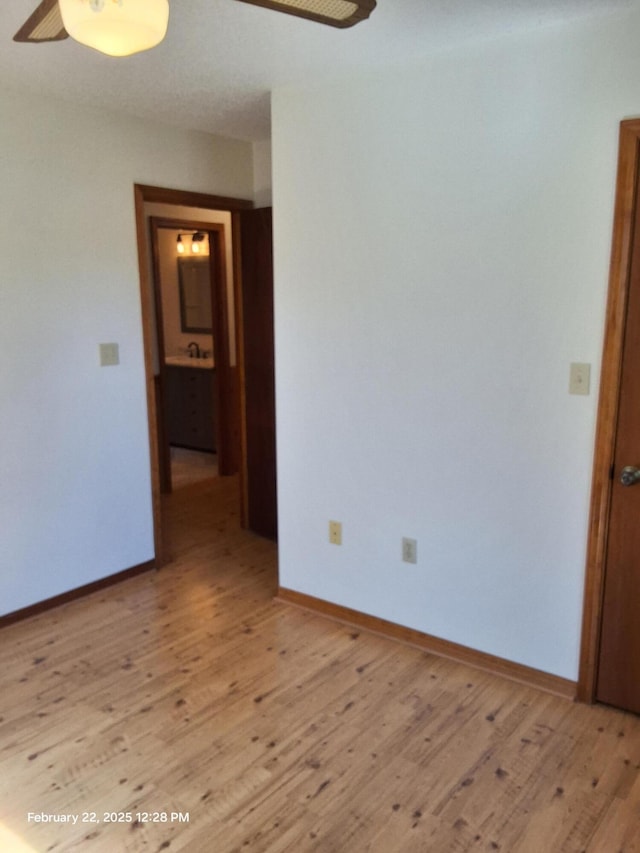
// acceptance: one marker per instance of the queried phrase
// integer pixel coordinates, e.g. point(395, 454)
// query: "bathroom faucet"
point(194, 350)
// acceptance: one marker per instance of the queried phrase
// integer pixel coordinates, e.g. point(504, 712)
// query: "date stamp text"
point(108, 817)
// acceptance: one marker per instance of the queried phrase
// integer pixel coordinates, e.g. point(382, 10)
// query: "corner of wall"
point(262, 184)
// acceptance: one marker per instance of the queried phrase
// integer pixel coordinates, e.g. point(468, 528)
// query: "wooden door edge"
point(148, 322)
point(236, 238)
point(622, 244)
point(159, 380)
point(225, 399)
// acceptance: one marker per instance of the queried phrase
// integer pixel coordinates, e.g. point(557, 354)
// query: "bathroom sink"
point(186, 361)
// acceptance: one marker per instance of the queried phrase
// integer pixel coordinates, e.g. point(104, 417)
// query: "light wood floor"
point(190, 692)
point(191, 466)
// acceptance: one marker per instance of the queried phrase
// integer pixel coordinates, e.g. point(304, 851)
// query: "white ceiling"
point(221, 58)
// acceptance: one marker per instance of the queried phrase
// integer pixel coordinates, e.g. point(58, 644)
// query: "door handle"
point(630, 475)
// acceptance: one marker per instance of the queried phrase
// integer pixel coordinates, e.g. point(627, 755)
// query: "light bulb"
point(116, 27)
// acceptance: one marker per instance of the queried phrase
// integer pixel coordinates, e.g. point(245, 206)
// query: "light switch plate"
point(579, 378)
point(409, 550)
point(109, 355)
point(335, 532)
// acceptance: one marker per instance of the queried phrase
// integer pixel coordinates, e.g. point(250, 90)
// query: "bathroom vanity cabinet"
point(189, 404)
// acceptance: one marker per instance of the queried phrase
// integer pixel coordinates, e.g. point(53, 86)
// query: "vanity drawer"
point(189, 407)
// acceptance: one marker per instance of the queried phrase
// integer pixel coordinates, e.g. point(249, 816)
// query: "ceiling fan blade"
point(45, 24)
point(335, 13)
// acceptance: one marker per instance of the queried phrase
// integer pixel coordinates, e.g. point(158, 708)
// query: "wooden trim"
point(163, 440)
point(164, 456)
point(232, 420)
point(242, 397)
point(148, 325)
point(74, 594)
point(442, 648)
point(184, 198)
point(623, 223)
point(221, 343)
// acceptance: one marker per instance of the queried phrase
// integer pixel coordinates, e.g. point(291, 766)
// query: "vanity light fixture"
point(335, 13)
point(116, 27)
point(197, 238)
point(196, 246)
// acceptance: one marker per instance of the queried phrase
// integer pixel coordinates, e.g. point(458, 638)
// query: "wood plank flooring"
point(185, 710)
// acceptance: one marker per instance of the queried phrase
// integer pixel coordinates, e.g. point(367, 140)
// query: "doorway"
point(610, 652)
point(248, 381)
point(182, 206)
point(195, 350)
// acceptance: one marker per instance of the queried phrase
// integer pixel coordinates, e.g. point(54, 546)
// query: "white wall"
point(262, 189)
point(75, 500)
point(442, 237)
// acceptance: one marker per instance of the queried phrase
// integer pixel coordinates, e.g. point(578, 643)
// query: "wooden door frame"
point(161, 195)
point(602, 482)
point(220, 329)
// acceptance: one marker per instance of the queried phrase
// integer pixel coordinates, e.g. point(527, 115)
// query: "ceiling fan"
point(45, 24)
point(49, 23)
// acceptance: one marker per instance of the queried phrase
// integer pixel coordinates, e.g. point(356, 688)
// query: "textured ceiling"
point(221, 58)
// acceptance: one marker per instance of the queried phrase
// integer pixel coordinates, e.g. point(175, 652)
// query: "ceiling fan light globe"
point(116, 27)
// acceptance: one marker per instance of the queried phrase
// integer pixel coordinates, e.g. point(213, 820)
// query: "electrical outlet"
point(109, 355)
point(335, 532)
point(409, 550)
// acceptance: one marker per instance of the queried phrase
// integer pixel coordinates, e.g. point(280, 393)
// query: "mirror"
point(195, 294)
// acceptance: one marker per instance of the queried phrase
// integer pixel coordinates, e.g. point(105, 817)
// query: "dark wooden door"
point(618, 681)
point(259, 382)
